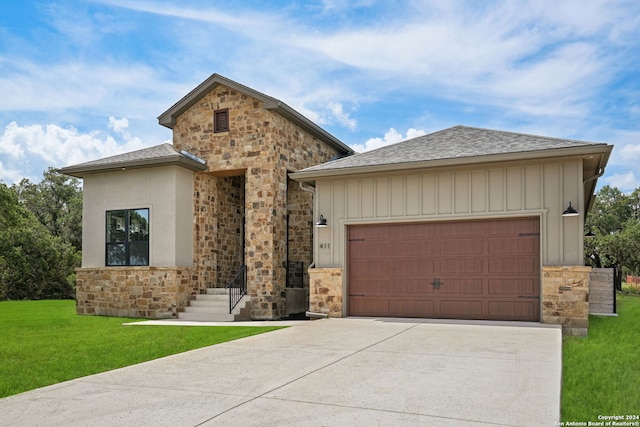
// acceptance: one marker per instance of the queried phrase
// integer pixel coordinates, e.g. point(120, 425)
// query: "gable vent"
point(221, 120)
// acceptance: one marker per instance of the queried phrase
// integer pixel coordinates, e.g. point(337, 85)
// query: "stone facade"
point(152, 292)
point(229, 242)
point(565, 297)
point(262, 147)
point(326, 291)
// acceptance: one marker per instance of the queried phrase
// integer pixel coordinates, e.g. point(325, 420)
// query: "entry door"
point(485, 269)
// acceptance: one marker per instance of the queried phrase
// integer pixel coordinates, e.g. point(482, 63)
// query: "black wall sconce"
point(570, 211)
point(322, 222)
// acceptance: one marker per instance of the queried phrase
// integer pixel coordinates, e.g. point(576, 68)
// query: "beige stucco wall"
point(494, 191)
point(166, 191)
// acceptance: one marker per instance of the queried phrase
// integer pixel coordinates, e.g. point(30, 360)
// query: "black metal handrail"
point(237, 287)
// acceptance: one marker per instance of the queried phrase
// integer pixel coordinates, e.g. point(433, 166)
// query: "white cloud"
point(119, 125)
point(29, 86)
point(10, 175)
point(392, 136)
point(625, 182)
point(531, 57)
point(342, 117)
point(32, 149)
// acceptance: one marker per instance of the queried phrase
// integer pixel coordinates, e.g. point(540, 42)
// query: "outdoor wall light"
point(590, 234)
point(570, 211)
point(322, 222)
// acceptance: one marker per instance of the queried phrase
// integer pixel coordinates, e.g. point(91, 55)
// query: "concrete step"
point(217, 291)
point(207, 317)
point(207, 309)
point(212, 298)
point(214, 307)
point(221, 304)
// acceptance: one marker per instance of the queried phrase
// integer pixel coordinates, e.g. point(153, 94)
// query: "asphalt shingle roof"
point(156, 152)
point(452, 143)
point(157, 155)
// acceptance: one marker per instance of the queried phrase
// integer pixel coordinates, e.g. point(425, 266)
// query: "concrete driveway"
point(333, 372)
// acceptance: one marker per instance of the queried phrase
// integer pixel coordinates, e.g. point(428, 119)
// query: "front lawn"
point(601, 373)
point(45, 342)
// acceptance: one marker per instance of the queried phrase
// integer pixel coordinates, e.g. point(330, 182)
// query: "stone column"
point(205, 232)
point(565, 298)
point(265, 242)
point(325, 291)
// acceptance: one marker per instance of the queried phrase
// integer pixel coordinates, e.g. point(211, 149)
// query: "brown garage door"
point(486, 269)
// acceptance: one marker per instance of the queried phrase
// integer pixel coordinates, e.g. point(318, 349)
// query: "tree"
point(57, 203)
point(34, 264)
point(615, 220)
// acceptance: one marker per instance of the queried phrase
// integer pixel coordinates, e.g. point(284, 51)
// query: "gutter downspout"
point(598, 174)
point(312, 314)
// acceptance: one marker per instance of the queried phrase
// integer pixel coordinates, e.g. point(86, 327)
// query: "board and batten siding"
point(540, 189)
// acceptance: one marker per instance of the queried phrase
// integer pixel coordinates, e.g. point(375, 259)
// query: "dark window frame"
point(220, 124)
point(127, 244)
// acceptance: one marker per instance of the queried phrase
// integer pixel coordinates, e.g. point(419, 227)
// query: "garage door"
point(487, 269)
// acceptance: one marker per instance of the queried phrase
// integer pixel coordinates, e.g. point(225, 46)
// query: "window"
point(221, 120)
point(127, 237)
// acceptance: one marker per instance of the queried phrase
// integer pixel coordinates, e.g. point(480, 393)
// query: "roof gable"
point(169, 117)
point(159, 155)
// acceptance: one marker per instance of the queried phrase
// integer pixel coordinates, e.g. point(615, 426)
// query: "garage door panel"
point(461, 228)
point(412, 308)
point(461, 247)
point(412, 267)
point(416, 287)
point(513, 245)
point(513, 310)
point(412, 231)
point(513, 265)
point(488, 269)
point(370, 267)
point(369, 231)
point(513, 227)
point(451, 308)
point(403, 248)
point(460, 265)
point(369, 306)
point(512, 286)
point(360, 249)
point(372, 286)
point(457, 286)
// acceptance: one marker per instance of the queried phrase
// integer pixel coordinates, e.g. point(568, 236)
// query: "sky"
point(82, 80)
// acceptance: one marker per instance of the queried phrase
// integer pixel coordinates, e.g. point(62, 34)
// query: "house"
point(463, 223)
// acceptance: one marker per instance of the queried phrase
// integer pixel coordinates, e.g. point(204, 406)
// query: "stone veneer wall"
point(263, 146)
point(204, 232)
point(565, 297)
point(230, 214)
point(151, 292)
point(300, 208)
point(326, 291)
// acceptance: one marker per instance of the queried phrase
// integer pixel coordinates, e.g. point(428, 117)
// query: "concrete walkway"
point(333, 372)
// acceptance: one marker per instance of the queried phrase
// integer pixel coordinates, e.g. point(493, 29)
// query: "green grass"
point(45, 342)
point(601, 373)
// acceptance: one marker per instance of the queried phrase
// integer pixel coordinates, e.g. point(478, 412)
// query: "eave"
point(81, 170)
